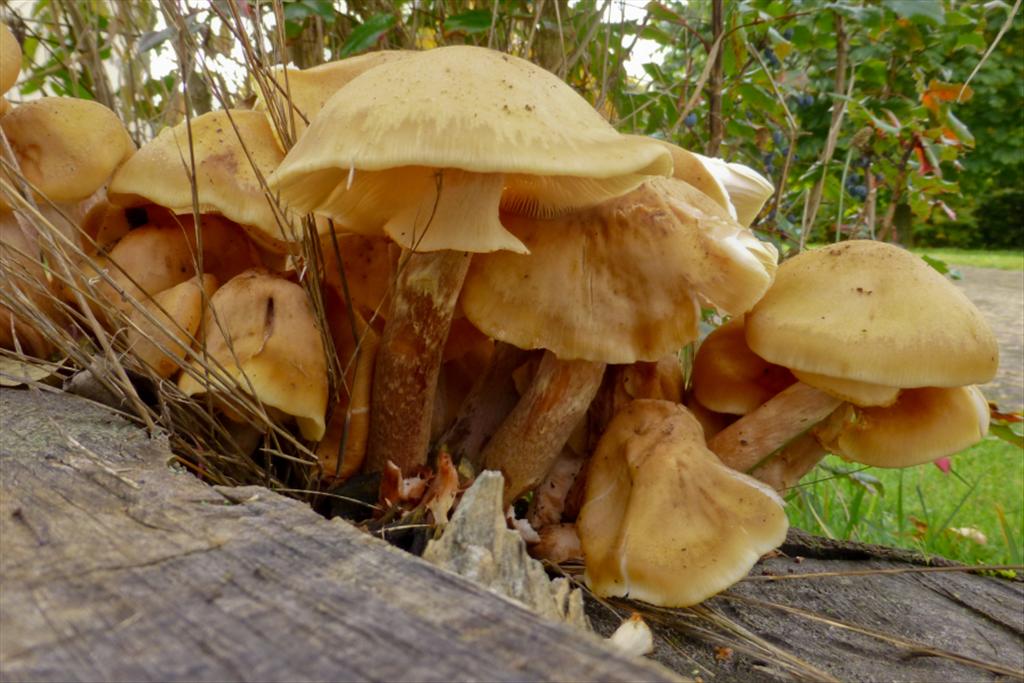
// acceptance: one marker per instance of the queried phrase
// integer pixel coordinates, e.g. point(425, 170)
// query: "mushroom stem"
point(409, 358)
point(527, 444)
point(549, 499)
point(791, 463)
point(489, 402)
point(746, 442)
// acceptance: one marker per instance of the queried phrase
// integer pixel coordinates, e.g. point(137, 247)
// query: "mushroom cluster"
point(502, 281)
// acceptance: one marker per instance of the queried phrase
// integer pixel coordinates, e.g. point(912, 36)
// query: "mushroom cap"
point(176, 313)
point(691, 168)
point(664, 521)
point(872, 312)
point(748, 190)
point(144, 262)
point(922, 425)
point(308, 89)
point(266, 324)
point(467, 109)
point(10, 59)
point(66, 147)
point(858, 393)
point(730, 378)
point(226, 181)
point(618, 282)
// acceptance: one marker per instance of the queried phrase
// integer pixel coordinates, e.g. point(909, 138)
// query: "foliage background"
point(853, 108)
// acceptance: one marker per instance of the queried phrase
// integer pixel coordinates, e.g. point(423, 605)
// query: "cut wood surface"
point(115, 567)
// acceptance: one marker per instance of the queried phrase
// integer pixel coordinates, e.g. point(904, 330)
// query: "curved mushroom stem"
point(409, 358)
point(744, 444)
point(549, 499)
point(489, 402)
point(527, 444)
point(789, 466)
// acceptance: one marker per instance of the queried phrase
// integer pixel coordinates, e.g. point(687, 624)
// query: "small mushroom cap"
point(664, 521)
point(267, 325)
point(618, 282)
point(308, 89)
point(10, 59)
point(748, 190)
point(66, 147)
point(922, 425)
point(872, 312)
point(858, 393)
point(226, 181)
point(176, 313)
point(691, 168)
point(144, 262)
point(730, 378)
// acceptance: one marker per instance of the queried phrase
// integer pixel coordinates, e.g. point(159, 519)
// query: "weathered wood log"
point(115, 567)
point(823, 610)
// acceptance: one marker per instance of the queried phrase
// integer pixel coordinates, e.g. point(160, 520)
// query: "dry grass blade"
point(895, 570)
point(909, 645)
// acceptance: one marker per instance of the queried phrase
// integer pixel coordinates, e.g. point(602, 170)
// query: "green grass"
point(976, 258)
point(916, 507)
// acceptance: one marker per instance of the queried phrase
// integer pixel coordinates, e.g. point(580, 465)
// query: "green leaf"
point(914, 10)
point(756, 98)
point(366, 35)
point(975, 40)
point(473, 21)
point(1004, 432)
point(942, 267)
point(959, 128)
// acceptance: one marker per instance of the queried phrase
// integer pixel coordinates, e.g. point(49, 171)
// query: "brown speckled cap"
point(872, 312)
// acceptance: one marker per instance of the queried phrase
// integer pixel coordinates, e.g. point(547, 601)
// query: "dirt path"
point(1000, 296)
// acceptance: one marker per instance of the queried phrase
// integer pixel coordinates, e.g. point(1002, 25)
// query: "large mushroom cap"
point(66, 147)
point(262, 330)
point(308, 89)
point(872, 312)
point(10, 59)
point(227, 181)
point(468, 108)
point(617, 283)
point(921, 426)
point(663, 520)
point(505, 130)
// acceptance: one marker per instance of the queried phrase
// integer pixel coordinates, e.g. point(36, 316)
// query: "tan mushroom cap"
point(66, 147)
point(663, 520)
point(25, 286)
point(618, 282)
point(10, 59)
point(859, 393)
point(922, 425)
point(872, 312)
point(518, 135)
point(308, 89)
point(162, 340)
point(690, 167)
point(144, 262)
point(368, 269)
point(274, 337)
point(748, 190)
point(227, 183)
point(730, 378)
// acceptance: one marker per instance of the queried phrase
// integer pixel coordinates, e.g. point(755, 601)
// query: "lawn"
point(976, 258)
point(974, 514)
